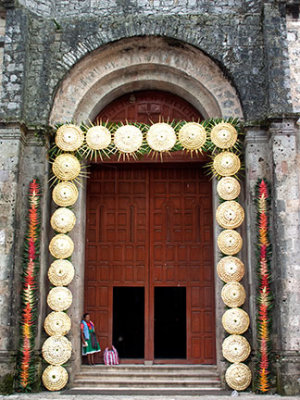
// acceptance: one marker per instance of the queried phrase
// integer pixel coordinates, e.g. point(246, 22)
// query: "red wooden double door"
point(149, 282)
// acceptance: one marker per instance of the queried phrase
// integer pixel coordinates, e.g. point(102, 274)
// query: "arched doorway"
point(149, 281)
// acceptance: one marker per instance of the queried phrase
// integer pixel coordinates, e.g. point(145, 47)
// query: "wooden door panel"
point(150, 226)
point(116, 247)
point(181, 251)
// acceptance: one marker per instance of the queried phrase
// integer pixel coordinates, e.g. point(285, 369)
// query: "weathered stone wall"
point(14, 65)
point(249, 47)
point(11, 142)
point(64, 8)
point(284, 145)
point(44, 8)
point(22, 158)
point(293, 37)
point(2, 35)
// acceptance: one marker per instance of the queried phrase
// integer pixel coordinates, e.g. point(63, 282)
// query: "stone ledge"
point(256, 134)
point(12, 132)
point(7, 357)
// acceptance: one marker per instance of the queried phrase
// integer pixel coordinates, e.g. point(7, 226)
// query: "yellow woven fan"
point(69, 137)
point(66, 167)
point(63, 220)
point(65, 194)
point(61, 246)
point(55, 378)
point(230, 269)
point(230, 242)
point(161, 137)
point(192, 136)
point(233, 294)
point(57, 323)
point(224, 135)
point(236, 348)
point(235, 321)
point(230, 215)
point(56, 350)
point(228, 188)
point(61, 273)
point(98, 137)
point(59, 298)
point(238, 376)
point(128, 139)
point(226, 164)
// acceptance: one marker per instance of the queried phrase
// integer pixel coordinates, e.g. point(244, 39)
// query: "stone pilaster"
point(257, 165)
point(23, 157)
point(12, 142)
point(286, 213)
point(35, 164)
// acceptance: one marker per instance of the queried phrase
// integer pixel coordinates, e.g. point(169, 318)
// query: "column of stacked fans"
point(132, 141)
point(57, 348)
point(230, 215)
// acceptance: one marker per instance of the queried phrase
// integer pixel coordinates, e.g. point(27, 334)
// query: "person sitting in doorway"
point(90, 344)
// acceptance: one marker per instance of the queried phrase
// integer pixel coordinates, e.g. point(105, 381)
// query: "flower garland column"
point(31, 266)
point(264, 299)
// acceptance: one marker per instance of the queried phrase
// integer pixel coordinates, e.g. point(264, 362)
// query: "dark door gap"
point(128, 321)
point(169, 322)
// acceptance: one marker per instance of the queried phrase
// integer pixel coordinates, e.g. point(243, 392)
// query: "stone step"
point(146, 385)
point(137, 382)
point(166, 391)
point(152, 368)
point(141, 373)
point(141, 377)
point(128, 378)
point(158, 366)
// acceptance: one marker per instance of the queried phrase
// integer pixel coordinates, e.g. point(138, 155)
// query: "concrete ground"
point(65, 396)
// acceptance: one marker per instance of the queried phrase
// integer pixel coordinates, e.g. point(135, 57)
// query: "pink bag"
point(111, 357)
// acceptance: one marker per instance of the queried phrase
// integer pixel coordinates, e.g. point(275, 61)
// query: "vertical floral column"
point(31, 266)
point(230, 216)
point(264, 298)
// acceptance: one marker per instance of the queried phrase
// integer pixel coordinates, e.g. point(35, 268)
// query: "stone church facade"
point(66, 61)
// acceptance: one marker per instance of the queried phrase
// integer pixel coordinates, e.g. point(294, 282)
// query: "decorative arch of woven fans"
point(73, 143)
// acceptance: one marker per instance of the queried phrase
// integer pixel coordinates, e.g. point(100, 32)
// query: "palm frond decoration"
point(264, 296)
point(26, 368)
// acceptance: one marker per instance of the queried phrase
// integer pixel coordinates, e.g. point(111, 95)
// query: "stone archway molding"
point(144, 63)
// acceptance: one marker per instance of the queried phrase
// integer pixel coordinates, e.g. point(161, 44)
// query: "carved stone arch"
point(144, 63)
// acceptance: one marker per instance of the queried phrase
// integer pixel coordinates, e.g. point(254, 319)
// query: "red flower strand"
point(264, 299)
point(29, 286)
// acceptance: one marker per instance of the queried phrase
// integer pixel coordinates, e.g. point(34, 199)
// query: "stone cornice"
point(256, 135)
point(286, 127)
point(34, 136)
point(12, 131)
point(289, 354)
